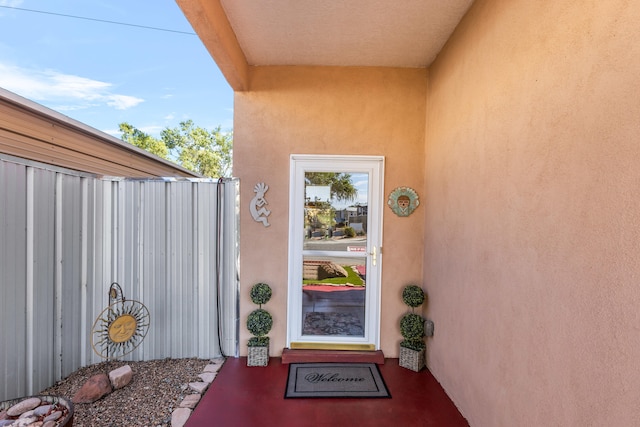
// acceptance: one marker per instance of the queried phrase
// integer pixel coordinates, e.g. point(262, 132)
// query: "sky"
point(359, 180)
point(145, 66)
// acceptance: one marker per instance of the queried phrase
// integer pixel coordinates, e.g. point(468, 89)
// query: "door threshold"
point(330, 346)
point(318, 356)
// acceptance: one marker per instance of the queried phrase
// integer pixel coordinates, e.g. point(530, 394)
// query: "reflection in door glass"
point(334, 287)
point(335, 209)
point(333, 296)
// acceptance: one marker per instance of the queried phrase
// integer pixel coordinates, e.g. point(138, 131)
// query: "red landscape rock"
point(95, 388)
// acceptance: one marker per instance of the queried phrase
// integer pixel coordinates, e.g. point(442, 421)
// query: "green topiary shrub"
point(413, 296)
point(258, 342)
point(412, 330)
point(260, 293)
point(259, 321)
point(349, 232)
point(411, 324)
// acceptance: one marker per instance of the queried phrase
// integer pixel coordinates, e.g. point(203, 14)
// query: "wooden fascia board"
point(50, 130)
point(58, 155)
point(210, 22)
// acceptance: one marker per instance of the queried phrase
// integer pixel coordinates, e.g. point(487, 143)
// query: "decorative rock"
point(212, 367)
point(23, 422)
point(120, 377)
point(180, 416)
point(38, 416)
point(207, 377)
point(53, 416)
point(198, 387)
point(215, 365)
point(30, 413)
point(330, 270)
point(42, 410)
point(23, 406)
point(190, 401)
point(95, 388)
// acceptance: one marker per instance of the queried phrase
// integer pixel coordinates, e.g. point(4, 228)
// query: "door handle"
point(373, 256)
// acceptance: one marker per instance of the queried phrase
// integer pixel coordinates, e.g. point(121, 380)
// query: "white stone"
point(190, 401)
point(212, 367)
point(53, 416)
point(41, 410)
point(120, 377)
point(23, 406)
point(180, 416)
point(198, 387)
point(207, 377)
point(22, 422)
point(31, 413)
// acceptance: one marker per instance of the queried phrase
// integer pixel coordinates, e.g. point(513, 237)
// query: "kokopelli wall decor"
point(258, 209)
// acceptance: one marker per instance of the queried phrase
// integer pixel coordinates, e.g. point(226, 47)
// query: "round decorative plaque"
point(403, 201)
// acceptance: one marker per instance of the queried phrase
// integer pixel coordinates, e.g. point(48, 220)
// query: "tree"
point(142, 140)
point(197, 149)
point(192, 147)
point(342, 188)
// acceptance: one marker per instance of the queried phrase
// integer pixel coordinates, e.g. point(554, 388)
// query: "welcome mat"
point(335, 380)
point(332, 323)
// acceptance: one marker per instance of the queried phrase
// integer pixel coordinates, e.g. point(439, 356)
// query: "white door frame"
point(374, 167)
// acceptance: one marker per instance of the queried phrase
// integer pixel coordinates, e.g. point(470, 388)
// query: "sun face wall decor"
point(403, 201)
point(121, 327)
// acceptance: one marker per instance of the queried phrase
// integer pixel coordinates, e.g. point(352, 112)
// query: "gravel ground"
point(157, 388)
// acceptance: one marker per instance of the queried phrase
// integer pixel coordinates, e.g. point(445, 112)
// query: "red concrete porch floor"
point(254, 396)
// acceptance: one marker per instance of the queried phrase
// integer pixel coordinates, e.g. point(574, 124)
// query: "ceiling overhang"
point(240, 34)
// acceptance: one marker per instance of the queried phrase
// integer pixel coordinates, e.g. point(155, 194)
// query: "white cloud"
point(122, 102)
point(74, 91)
point(11, 3)
point(153, 130)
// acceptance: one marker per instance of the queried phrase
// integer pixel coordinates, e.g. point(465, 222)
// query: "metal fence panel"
point(228, 279)
point(66, 237)
point(13, 278)
point(40, 285)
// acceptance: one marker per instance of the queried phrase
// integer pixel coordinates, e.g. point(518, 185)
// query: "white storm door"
point(335, 256)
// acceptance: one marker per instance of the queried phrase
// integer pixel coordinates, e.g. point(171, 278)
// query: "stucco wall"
point(307, 110)
point(532, 241)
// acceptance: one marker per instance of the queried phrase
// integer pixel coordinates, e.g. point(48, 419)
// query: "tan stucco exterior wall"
point(307, 110)
point(532, 243)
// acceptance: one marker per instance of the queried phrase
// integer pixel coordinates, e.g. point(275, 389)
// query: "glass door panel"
point(331, 298)
point(334, 254)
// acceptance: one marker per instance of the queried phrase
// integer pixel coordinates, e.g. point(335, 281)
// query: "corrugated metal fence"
point(66, 237)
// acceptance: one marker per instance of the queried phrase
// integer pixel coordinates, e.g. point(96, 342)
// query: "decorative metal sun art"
point(121, 327)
